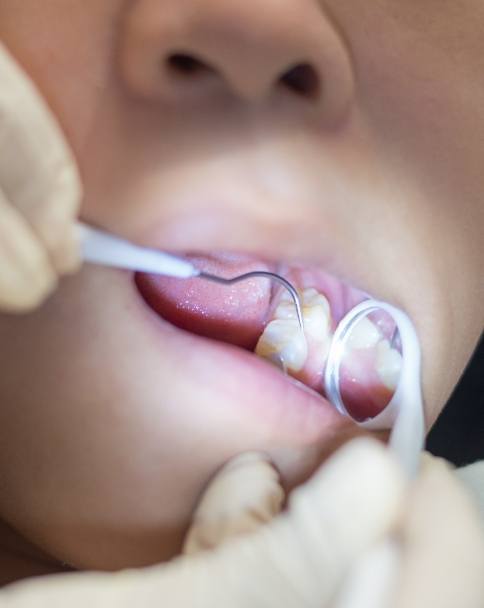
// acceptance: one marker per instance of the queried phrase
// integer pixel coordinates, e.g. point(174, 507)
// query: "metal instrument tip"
point(265, 275)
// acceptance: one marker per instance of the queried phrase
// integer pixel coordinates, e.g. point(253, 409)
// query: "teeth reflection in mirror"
point(388, 364)
point(364, 334)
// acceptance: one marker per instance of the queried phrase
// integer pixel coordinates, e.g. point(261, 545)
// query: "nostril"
point(303, 80)
point(185, 64)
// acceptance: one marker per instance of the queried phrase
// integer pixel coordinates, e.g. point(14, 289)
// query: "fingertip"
point(26, 276)
point(248, 459)
point(365, 458)
point(359, 493)
point(20, 294)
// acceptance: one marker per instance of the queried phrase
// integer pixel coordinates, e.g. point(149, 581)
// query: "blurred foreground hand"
point(40, 194)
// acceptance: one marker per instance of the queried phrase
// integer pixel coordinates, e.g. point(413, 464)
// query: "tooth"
point(317, 315)
point(283, 342)
point(388, 364)
point(365, 334)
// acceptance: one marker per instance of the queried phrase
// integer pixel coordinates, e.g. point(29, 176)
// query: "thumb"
point(245, 495)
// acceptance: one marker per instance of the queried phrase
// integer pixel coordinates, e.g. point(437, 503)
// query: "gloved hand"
point(39, 194)
point(336, 547)
point(299, 560)
point(438, 561)
point(443, 540)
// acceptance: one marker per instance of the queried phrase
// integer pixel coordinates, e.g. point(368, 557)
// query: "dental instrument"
point(99, 247)
point(404, 413)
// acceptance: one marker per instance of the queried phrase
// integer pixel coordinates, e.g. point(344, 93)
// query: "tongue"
point(237, 314)
point(230, 313)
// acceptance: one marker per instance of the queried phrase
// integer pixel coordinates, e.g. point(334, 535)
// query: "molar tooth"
point(388, 364)
point(316, 322)
point(283, 343)
point(311, 298)
point(317, 315)
point(285, 310)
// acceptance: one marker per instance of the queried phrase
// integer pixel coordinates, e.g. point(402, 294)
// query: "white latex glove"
point(39, 194)
point(438, 561)
point(299, 560)
point(443, 536)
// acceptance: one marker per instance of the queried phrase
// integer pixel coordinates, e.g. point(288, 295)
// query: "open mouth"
point(259, 317)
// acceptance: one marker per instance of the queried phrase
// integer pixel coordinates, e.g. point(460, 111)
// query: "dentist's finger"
point(372, 582)
point(303, 557)
point(38, 172)
point(26, 275)
point(244, 495)
point(443, 558)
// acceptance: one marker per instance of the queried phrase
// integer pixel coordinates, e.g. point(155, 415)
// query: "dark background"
point(458, 435)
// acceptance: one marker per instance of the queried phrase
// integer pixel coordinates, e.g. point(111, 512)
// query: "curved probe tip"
point(263, 275)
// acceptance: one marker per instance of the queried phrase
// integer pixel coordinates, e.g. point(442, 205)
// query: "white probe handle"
point(99, 247)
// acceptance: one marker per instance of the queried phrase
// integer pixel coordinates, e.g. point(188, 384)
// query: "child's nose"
point(190, 51)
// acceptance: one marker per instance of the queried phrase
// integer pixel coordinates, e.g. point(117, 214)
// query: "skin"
point(378, 180)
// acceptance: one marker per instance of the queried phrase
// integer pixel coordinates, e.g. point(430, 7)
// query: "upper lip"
point(217, 226)
point(296, 242)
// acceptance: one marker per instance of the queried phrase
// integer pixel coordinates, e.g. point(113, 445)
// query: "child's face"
point(112, 422)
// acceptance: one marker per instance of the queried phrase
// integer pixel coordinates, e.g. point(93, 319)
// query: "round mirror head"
point(365, 363)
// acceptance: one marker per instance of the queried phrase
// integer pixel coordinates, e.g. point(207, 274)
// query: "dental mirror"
point(373, 376)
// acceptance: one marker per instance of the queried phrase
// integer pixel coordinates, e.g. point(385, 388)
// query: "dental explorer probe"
point(99, 247)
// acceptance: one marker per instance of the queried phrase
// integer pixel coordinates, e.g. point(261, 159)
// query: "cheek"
point(92, 465)
point(421, 96)
point(68, 50)
point(97, 456)
point(108, 449)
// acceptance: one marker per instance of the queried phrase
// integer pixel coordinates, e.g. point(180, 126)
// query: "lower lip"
point(281, 407)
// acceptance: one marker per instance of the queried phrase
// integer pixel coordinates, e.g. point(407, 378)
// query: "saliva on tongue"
point(234, 314)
